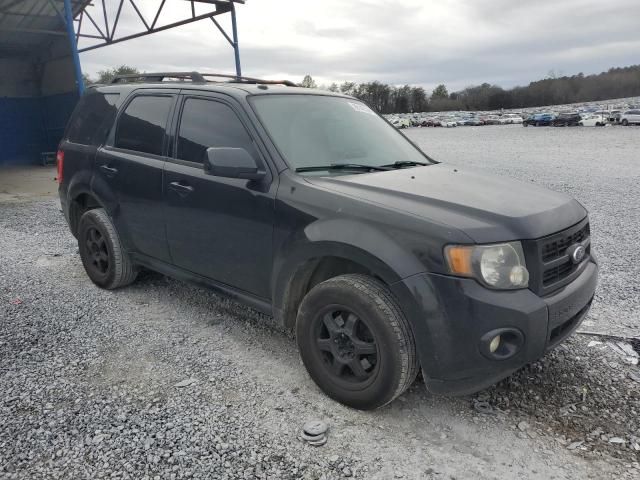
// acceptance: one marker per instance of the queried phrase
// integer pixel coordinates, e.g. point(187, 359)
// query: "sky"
point(417, 42)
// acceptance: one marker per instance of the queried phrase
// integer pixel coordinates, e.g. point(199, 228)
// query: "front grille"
point(549, 264)
point(555, 274)
point(558, 246)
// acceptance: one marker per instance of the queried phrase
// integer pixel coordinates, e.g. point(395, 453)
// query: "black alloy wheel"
point(355, 341)
point(98, 251)
point(346, 345)
point(106, 262)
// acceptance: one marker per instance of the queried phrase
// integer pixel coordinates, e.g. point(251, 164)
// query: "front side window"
point(317, 130)
point(142, 125)
point(207, 123)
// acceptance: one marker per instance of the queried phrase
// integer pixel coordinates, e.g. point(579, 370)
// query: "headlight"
point(500, 266)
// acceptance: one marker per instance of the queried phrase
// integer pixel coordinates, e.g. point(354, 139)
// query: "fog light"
point(495, 343)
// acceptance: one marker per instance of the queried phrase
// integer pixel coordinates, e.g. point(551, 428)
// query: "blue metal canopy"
point(40, 70)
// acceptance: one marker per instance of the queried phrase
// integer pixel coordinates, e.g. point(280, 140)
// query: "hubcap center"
point(344, 346)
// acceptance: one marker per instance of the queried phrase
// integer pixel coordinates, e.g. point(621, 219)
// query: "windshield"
point(316, 130)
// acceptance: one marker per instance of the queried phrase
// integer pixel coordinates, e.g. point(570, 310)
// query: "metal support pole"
point(236, 47)
point(68, 13)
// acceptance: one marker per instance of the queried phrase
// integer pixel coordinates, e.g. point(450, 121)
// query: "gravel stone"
point(87, 376)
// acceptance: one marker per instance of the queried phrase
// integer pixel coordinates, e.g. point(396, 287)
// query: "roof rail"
point(158, 77)
point(195, 77)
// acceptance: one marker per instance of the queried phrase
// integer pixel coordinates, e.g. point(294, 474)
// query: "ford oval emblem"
point(577, 253)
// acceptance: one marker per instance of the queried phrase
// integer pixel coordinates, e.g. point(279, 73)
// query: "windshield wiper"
point(406, 163)
point(343, 166)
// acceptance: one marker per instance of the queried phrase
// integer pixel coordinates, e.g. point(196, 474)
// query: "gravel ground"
point(167, 380)
point(598, 166)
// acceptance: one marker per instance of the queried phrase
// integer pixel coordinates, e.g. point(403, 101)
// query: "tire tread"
point(125, 272)
point(386, 303)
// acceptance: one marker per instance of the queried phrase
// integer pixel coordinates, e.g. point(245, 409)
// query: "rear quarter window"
point(92, 118)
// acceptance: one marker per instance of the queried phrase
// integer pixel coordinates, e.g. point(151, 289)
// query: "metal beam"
point(155, 20)
point(10, 5)
point(25, 14)
point(68, 11)
point(236, 47)
point(35, 30)
point(135, 7)
point(115, 23)
point(108, 38)
point(58, 12)
point(149, 31)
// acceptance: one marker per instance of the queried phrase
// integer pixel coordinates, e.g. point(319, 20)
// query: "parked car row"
point(456, 119)
point(562, 119)
point(624, 111)
point(584, 119)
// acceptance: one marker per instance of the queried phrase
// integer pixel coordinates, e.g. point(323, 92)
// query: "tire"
point(625, 122)
point(107, 264)
point(355, 342)
point(525, 124)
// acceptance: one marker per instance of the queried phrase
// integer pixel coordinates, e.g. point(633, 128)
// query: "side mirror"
point(231, 163)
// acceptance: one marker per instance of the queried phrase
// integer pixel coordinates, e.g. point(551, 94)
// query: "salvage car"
point(308, 206)
point(592, 120)
point(569, 119)
point(630, 117)
point(539, 120)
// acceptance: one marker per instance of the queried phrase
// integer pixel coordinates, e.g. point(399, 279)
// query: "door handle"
point(109, 171)
point(181, 188)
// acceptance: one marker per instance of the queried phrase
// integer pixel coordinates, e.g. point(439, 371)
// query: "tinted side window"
point(141, 126)
point(206, 123)
point(93, 118)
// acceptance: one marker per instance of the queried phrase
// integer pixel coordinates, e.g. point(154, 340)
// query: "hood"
point(488, 208)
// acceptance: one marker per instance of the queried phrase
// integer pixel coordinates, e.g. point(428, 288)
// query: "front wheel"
point(106, 262)
point(355, 342)
point(625, 122)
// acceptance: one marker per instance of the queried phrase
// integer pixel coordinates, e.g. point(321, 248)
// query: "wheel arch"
point(80, 202)
point(330, 248)
point(83, 195)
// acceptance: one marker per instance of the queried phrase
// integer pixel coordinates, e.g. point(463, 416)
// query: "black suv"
point(567, 120)
point(309, 206)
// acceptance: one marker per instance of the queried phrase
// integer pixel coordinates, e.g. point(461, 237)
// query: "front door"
point(220, 228)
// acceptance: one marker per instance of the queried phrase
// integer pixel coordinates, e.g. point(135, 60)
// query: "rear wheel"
point(355, 342)
point(107, 264)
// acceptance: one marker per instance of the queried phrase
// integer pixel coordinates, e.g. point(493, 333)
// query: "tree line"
point(553, 90)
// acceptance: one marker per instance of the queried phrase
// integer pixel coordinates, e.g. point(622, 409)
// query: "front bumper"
point(450, 315)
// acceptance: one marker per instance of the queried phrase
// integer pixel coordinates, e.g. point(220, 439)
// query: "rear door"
point(132, 164)
point(220, 228)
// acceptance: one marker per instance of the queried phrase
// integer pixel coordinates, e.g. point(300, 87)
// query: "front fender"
point(369, 247)
point(342, 238)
